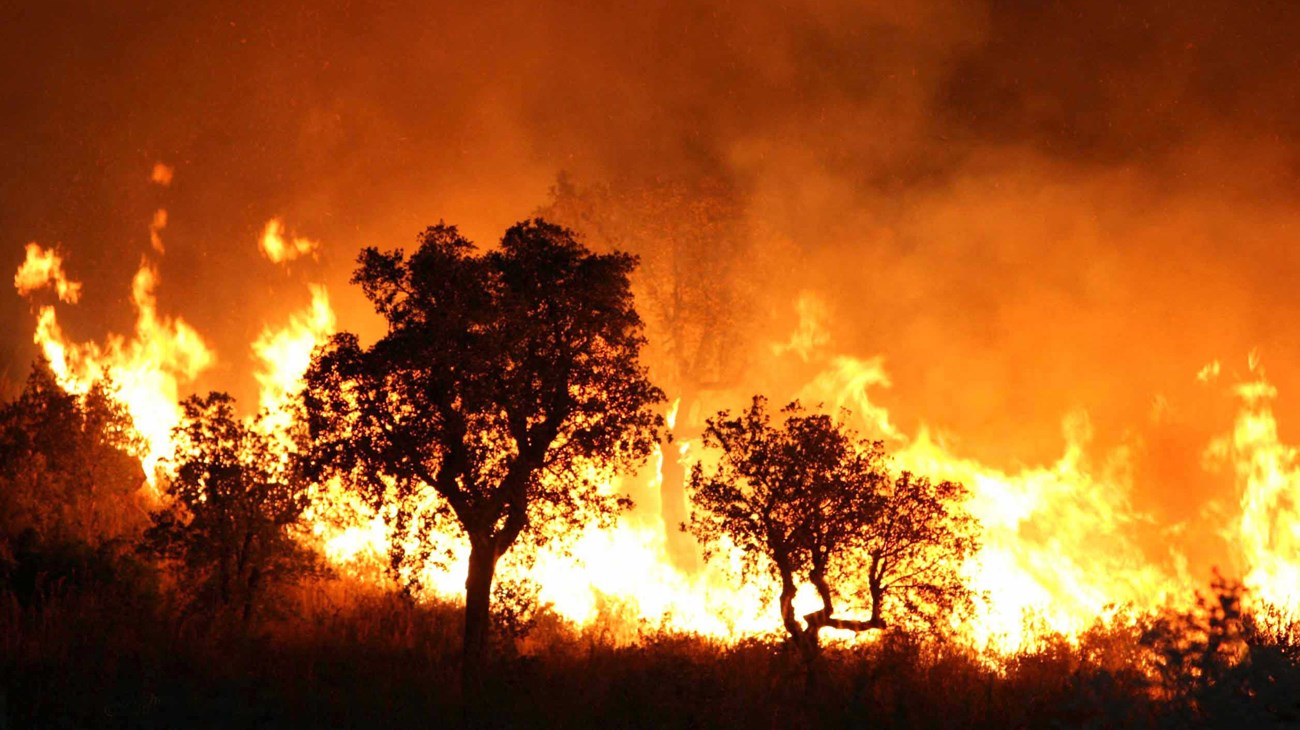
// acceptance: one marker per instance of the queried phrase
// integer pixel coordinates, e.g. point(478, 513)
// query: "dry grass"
point(340, 657)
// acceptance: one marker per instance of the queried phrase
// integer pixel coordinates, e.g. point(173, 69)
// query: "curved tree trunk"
point(825, 617)
point(804, 640)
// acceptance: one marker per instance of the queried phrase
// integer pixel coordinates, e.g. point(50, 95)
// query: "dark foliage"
point(1217, 665)
point(69, 465)
point(123, 659)
point(235, 497)
point(502, 380)
point(807, 500)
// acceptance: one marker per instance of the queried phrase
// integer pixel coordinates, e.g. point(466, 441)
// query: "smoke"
point(1023, 210)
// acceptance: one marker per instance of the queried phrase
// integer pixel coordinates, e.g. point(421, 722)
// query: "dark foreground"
point(117, 657)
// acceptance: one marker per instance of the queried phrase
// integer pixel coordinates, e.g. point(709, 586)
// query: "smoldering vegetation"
point(1025, 209)
point(349, 658)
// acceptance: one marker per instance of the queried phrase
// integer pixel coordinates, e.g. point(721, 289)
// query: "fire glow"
point(1057, 547)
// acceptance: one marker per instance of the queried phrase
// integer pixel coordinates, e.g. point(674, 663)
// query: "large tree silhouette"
point(806, 500)
point(504, 377)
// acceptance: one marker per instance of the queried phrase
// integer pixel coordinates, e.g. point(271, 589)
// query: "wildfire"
point(45, 268)
point(148, 368)
point(1057, 546)
point(1267, 473)
point(1058, 550)
point(283, 354)
point(279, 249)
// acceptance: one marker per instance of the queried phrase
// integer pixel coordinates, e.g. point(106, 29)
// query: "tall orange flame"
point(1058, 552)
point(148, 368)
point(1267, 475)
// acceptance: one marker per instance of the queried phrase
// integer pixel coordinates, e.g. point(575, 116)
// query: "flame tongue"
point(1057, 539)
point(148, 369)
point(284, 354)
point(1268, 478)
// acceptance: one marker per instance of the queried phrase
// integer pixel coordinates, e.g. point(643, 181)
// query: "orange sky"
point(1027, 209)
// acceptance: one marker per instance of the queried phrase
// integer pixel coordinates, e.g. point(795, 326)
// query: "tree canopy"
point(235, 496)
point(806, 500)
point(504, 378)
point(69, 464)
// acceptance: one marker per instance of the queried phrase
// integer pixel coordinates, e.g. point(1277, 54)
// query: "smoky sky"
point(1028, 208)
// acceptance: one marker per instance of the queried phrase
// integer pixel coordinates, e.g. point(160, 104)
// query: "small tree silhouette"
point(69, 464)
point(235, 496)
point(503, 379)
point(1220, 662)
point(807, 500)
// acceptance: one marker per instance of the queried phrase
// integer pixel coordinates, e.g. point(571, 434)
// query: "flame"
point(1267, 475)
point(1056, 542)
point(811, 335)
point(1058, 553)
point(285, 353)
point(348, 532)
point(1057, 548)
point(162, 174)
point(148, 368)
point(155, 230)
point(44, 267)
point(671, 418)
point(279, 249)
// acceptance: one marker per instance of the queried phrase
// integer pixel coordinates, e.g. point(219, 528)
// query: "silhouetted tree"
point(807, 500)
point(235, 497)
point(503, 379)
point(911, 550)
point(69, 464)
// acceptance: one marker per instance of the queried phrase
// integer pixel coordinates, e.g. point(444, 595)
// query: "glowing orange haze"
point(1059, 543)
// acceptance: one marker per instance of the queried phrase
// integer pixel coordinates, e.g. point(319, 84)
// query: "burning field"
point(1039, 259)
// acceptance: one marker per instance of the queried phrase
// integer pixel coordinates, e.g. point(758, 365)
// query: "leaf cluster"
point(505, 382)
point(789, 496)
point(806, 500)
point(236, 495)
point(69, 464)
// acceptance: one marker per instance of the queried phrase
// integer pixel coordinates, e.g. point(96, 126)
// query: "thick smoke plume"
point(1025, 211)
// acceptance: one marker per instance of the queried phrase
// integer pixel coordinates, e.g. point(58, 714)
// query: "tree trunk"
point(478, 597)
point(804, 641)
point(875, 579)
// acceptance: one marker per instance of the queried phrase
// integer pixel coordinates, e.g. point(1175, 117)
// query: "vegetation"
point(235, 499)
point(806, 500)
point(69, 464)
point(503, 379)
point(71, 507)
point(372, 660)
